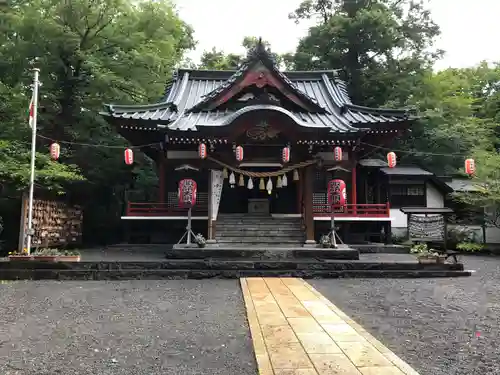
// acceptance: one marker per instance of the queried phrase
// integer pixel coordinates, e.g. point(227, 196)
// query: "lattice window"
point(173, 199)
point(408, 195)
point(320, 202)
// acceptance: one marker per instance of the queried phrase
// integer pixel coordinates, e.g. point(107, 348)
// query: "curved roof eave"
point(229, 119)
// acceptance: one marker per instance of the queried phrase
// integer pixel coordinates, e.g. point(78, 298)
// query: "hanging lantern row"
point(285, 153)
point(391, 159)
point(470, 167)
point(55, 151)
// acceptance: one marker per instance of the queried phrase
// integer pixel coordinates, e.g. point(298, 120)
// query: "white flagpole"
point(33, 154)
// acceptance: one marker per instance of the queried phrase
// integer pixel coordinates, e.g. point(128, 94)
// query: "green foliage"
point(421, 249)
point(470, 247)
point(218, 60)
point(451, 128)
point(384, 46)
point(89, 52)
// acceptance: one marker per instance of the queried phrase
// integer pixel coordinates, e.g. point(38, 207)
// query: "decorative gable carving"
point(258, 71)
point(262, 132)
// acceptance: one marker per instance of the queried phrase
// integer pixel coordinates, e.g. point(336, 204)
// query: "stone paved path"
point(297, 331)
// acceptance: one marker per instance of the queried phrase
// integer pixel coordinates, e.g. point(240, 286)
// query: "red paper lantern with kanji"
point(187, 193)
point(470, 166)
point(129, 156)
point(337, 153)
point(285, 154)
point(202, 150)
point(391, 159)
point(337, 194)
point(55, 151)
point(239, 153)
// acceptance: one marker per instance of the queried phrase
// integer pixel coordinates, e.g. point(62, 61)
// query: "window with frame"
point(408, 195)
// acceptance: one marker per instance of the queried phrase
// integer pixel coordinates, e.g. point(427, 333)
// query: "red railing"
point(162, 209)
point(349, 210)
point(353, 210)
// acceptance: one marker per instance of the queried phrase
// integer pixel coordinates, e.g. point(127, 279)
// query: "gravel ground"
point(134, 327)
point(433, 324)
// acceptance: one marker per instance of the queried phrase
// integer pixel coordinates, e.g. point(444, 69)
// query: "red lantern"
point(239, 153)
point(391, 159)
point(202, 150)
point(337, 153)
point(470, 166)
point(129, 156)
point(285, 154)
point(337, 195)
point(55, 151)
point(187, 193)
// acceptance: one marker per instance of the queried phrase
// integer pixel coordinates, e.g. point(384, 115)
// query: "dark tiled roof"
point(373, 163)
point(462, 185)
point(406, 171)
point(182, 107)
point(259, 55)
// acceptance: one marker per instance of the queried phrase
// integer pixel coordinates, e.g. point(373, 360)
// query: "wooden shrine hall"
point(261, 143)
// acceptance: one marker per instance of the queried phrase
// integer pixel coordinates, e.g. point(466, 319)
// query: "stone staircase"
point(259, 230)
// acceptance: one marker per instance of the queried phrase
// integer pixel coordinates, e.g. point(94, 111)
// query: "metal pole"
point(33, 154)
point(189, 227)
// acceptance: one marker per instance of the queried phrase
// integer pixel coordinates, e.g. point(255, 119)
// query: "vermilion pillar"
point(354, 198)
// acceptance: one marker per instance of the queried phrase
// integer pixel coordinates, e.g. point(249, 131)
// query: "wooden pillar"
point(308, 181)
point(354, 190)
point(161, 174)
point(354, 198)
point(211, 223)
point(300, 191)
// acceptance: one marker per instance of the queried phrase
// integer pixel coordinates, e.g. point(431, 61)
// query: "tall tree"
point(384, 46)
point(218, 60)
point(90, 52)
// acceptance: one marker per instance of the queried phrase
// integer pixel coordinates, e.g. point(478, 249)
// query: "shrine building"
point(263, 146)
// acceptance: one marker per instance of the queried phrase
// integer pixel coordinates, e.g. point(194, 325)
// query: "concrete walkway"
point(297, 331)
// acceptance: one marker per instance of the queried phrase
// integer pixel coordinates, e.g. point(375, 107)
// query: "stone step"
point(258, 232)
point(274, 240)
point(240, 264)
point(261, 251)
point(259, 223)
point(159, 274)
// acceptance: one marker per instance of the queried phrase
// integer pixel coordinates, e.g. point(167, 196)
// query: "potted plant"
point(325, 241)
point(426, 255)
point(20, 255)
point(200, 240)
point(46, 255)
point(69, 256)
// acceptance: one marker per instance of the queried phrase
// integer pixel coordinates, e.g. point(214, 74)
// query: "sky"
point(469, 28)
